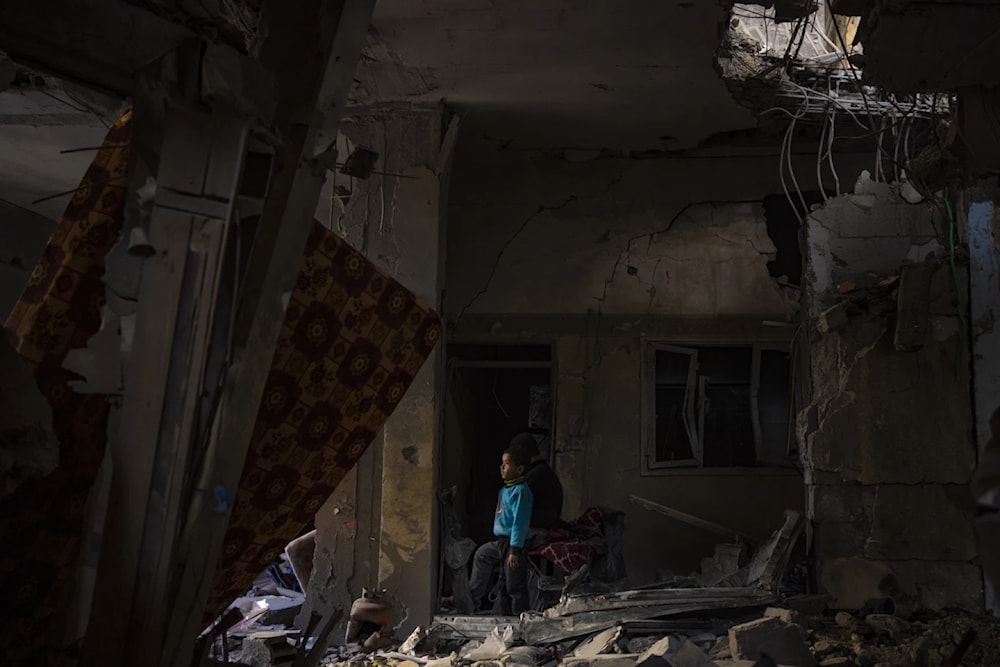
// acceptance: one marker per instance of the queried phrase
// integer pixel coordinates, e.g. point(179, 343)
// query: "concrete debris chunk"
point(654, 656)
point(602, 642)
point(888, 625)
point(846, 621)
point(494, 646)
point(689, 655)
point(789, 616)
point(833, 318)
point(674, 652)
point(771, 637)
point(412, 642)
point(267, 648)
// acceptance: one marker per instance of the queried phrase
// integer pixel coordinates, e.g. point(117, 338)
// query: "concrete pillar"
point(396, 219)
point(887, 439)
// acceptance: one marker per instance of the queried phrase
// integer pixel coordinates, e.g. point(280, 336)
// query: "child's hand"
point(513, 562)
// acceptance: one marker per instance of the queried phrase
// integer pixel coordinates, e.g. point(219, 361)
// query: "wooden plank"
point(313, 84)
point(693, 520)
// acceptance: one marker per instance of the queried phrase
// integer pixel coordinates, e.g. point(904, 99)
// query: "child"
point(510, 525)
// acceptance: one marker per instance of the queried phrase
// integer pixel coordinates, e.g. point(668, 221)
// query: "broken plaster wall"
point(377, 529)
point(596, 257)
point(888, 434)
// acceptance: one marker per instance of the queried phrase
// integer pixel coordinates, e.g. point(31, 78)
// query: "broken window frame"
point(694, 410)
point(693, 426)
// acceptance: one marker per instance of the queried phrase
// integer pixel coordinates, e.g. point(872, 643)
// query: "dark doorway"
point(494, 392)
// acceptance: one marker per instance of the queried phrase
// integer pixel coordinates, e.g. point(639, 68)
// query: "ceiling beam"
point(97, 42)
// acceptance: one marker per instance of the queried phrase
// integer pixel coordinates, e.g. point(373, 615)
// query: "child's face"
point(510, 470)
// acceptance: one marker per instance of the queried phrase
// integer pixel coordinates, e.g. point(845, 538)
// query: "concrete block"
point(654, 656)
point(920, 522)
point(789, 616)
point(781, 642)
point(832, 319)
point(602, 642)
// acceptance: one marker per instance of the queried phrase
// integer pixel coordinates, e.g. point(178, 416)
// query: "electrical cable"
point(781, 177)
point(829, 150)
point(819, 162)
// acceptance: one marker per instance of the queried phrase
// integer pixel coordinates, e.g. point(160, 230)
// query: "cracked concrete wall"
point(596, 256)
point(888, 435)
point(378, 530)
point(660, 237)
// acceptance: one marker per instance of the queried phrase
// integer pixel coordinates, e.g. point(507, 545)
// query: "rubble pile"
point(734, 612)
point(774, 636)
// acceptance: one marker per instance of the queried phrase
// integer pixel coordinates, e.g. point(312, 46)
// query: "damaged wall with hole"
point(597, 256)
point(376, 529)
point(888, 434)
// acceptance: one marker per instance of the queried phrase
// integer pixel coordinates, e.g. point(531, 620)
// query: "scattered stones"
point(824, 647)
point(887, 625)
point(845, 620)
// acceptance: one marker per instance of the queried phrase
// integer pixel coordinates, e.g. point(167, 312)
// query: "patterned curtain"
point(42, 521)
point(351, 343)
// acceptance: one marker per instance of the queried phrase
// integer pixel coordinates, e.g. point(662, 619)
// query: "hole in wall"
point(783, 228)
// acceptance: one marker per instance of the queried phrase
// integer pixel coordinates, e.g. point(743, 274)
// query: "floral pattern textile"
point(351, 343)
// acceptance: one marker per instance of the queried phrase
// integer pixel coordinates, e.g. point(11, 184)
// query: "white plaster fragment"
point(147, 192)
point(119, 305)
point(909, 193)
point(865, 185)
